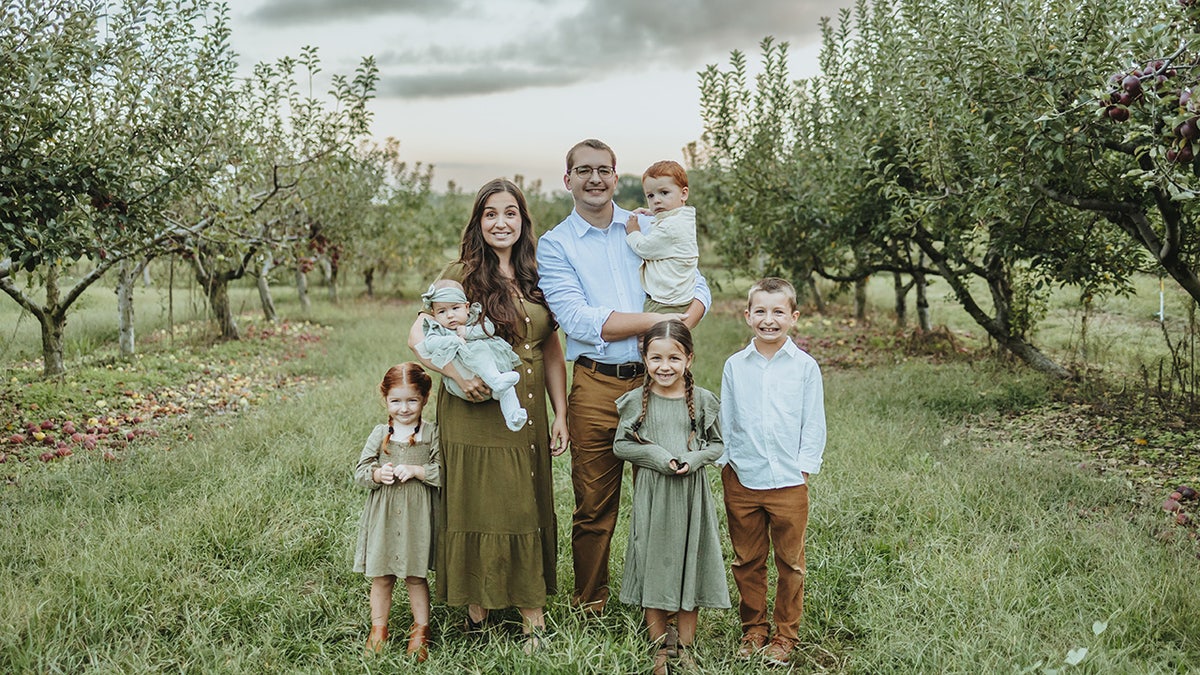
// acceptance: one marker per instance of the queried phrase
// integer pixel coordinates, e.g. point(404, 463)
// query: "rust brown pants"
point(759, 519)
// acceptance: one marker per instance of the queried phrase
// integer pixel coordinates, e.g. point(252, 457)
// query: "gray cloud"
point(293, 12)
point(605, 35)
point(472, 82)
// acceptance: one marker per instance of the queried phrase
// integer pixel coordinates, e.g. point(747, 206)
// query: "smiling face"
point(593, 192)
point(501, 221)
point(404, 404)
point(666, 362)
point(771, 315)
point(663, 194)
point(450, 314)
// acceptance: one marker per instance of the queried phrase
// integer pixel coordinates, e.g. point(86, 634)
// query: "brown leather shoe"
point(376, 640)
point(751, 644)
point(418, 642)
point(779, 651)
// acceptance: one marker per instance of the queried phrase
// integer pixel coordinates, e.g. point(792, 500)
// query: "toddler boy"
point(773, 417)
point(669, 252)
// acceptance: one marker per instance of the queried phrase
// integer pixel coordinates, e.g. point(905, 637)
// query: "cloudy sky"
point(486, 88)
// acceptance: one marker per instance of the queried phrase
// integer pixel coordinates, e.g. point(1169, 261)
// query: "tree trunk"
point(333, 282)
point(302, 290)
point(326, 270)
point(860, 299)
point(218, 300)
point(818, 299)
point(264, 287)
point(922, 285)
point(369, 280)
point(54, 322)
point(997, 327)
point(126, 275)
point(901, 291)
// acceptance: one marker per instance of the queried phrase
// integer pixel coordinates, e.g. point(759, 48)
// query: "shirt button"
point(526, 319)
point(529, 370)
point(531, 396)
point(526, 346)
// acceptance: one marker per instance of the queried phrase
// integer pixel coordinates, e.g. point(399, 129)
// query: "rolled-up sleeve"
point(564, 293)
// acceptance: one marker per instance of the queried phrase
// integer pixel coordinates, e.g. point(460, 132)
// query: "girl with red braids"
point(399, 465)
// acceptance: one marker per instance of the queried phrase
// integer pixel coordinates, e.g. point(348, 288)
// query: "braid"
point(688, 381)
point(384, 442)
point(645, 402)
point(412, 440)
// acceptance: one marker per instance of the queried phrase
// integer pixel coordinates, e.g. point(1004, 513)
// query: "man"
point(591, 280)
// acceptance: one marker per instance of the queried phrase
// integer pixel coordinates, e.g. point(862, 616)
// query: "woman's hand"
point(558, 436)
point(474, 389)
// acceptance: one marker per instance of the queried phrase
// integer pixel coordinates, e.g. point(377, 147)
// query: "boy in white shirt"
point(669, 252)
point(773, 418)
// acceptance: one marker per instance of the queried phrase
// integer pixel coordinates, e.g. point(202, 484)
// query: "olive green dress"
point(497, 539)
point(396, 532)
point(673, 561)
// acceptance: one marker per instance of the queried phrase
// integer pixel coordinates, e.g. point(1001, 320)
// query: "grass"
point(935, 545)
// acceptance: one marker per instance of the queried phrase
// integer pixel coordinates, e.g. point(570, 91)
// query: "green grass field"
point(937, 543)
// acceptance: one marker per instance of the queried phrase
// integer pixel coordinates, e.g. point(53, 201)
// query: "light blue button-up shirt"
point(772, 417)
point(587, 273)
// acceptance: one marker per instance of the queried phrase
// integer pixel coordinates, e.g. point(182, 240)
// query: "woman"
point(497, 540)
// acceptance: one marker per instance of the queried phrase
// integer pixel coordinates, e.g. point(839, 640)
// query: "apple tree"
point(110, 112)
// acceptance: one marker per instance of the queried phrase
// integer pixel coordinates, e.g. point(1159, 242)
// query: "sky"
point(487, 88)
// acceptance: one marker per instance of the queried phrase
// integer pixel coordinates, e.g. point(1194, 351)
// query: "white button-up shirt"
point(772, 417)
point(587, 273)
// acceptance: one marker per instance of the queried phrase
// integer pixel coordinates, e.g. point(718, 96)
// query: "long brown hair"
point(481, 267)
point(408, 373)
point(676, 330)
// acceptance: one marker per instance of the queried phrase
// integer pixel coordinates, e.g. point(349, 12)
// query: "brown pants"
point(758, 518)
point(596, 476)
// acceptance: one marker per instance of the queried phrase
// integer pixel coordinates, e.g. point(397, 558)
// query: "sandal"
point(472, 627)
point(535, 640)
point(661, 657)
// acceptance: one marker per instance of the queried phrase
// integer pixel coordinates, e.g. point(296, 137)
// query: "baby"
point(456, 332)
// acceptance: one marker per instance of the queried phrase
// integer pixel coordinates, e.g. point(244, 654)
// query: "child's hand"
point(406, 472)
point(632, 225)
point(680, 468)
point(462, 332)
point(387, 474)
point(643, 211)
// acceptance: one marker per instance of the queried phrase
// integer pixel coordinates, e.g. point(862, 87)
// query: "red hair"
point(669, 169)
point(409, 373)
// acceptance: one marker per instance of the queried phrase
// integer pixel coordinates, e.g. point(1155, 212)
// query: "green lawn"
point(937, 544)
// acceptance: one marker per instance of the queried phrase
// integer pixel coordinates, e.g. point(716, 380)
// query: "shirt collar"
point(789, 347)
point(581, 227)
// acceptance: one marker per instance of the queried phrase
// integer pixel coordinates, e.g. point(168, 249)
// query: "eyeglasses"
point(605, 172)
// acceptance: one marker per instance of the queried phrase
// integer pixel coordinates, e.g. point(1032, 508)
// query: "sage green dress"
point(497, 539)
point(396, 531)
point(673, 561)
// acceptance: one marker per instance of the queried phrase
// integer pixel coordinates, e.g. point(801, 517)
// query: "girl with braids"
point(497, 537)
point(669, 428)
point(399, 465)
